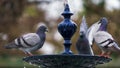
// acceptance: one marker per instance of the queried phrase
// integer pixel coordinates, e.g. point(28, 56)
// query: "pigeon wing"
point(30, 39)
point(102, 38)
point(34, 40)
point(83, 26)
point(91, 31)
point(105, 40)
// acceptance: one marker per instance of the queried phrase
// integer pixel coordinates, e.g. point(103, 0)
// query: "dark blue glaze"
point(67, 28)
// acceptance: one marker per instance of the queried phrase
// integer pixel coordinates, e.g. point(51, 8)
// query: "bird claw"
point(29, 54)
point(107, 56)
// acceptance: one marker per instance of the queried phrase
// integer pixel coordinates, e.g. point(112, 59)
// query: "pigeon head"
point(82, 34)
point(103, 26)
point(42, 29)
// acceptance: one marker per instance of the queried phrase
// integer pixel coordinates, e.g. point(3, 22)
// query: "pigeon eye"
point(100, 21)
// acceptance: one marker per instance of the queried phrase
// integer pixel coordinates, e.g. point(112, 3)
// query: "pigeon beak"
point(46, 30)
point(100, 21)
point(103, 20)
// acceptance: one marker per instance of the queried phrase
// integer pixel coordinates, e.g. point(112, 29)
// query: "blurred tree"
point(91, 7)
point(10, 11)
point(17, 17)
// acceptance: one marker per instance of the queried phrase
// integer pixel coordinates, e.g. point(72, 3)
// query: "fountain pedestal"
point(66, 60)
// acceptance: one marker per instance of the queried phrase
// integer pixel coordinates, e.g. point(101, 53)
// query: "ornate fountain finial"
point(65, 2)
point(67, 28)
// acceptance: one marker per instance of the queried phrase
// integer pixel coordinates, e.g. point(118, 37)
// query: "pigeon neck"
point(39, 31)
point(41, 34)
point(82, 36)
point(103, 28)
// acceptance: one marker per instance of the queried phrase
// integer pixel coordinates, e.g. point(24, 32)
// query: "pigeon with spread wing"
point(82, 43)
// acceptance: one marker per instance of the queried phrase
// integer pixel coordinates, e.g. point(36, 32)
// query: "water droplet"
point(39, 66)
point(30, 63)
point(38, 59)
point(24, 67)
point(24, 64)
point(34, 65)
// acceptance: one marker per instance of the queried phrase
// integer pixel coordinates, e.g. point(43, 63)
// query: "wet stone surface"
point(66, 61)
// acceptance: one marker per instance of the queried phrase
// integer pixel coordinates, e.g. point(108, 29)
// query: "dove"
point(29, 42)
point(105, 40)
point(82, 43)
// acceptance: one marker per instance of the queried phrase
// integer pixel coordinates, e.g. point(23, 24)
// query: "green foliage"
point(31, 11)
point(14, 62)
point(91, 8)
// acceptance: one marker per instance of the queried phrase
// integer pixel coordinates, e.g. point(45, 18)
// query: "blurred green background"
point(18, 17)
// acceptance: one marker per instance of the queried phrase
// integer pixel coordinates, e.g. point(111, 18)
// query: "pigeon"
point(105, 40)
point(29, 42)
point(82, 43)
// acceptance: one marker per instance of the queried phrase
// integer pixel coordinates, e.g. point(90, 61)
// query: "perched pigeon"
point(82, 44)
point(104, 40)
point(29, 42)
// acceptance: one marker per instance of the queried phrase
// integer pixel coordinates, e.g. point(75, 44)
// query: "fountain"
point(67, 59)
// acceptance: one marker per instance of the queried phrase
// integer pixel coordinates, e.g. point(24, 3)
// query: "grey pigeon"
point(82, 43)
point(105, 40)
point(29, 42)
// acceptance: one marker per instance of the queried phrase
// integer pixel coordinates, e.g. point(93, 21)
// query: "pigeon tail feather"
point(11, 45)
point(116, 48)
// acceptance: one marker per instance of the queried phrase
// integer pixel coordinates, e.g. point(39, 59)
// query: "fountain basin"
point(66, 61)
